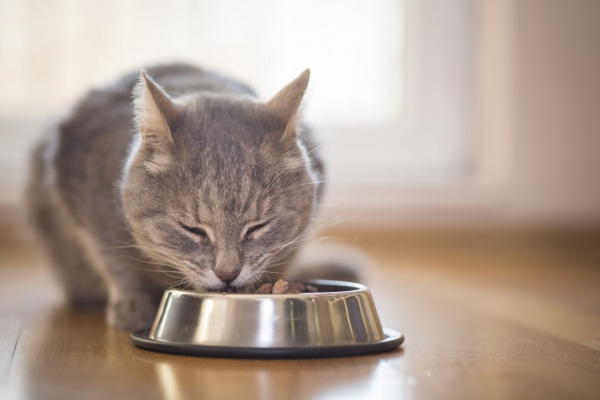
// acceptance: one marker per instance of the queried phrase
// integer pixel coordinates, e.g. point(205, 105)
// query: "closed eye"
point(252, 230)
point(201, 233)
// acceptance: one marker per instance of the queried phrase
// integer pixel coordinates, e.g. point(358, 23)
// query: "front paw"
point(132, 311)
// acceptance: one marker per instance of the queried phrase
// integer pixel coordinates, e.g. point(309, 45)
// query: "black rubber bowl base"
point(393, 340)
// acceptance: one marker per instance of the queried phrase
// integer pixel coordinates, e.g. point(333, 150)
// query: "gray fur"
point(111, 192)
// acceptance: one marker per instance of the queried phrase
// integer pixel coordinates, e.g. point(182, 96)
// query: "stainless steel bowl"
point(340, 319)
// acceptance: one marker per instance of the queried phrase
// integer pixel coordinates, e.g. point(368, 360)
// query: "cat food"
point(266, 288)
point(284, 287)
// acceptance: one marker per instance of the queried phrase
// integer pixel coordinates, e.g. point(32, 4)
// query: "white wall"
point(557, 110)
point(539, 128)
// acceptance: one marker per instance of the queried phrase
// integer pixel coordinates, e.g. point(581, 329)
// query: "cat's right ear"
point(152, 108)
point(285, 105)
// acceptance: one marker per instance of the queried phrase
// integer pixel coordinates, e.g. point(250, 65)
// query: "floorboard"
point(494, 319)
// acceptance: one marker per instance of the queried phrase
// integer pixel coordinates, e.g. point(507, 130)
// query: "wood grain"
point(500, 318)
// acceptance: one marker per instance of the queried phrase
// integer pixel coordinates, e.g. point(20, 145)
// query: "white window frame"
point(484, 185)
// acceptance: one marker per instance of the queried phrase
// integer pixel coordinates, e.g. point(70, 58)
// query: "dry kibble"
point(311, 289)
point(285, 287)
point(265, 288)
point(281, 287)
point(297, 287)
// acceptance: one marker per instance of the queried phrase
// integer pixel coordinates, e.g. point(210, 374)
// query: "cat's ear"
point(152, 108)
point(285, 104)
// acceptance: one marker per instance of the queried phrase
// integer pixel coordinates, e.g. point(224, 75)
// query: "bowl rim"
point(356, 289)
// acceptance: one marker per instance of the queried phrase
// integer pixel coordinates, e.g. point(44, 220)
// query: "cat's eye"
point(195, 231)
point(253, 229)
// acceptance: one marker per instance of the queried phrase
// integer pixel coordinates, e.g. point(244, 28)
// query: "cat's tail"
point(332, 261)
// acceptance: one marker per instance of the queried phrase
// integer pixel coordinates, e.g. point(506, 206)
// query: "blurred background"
point(431, 112)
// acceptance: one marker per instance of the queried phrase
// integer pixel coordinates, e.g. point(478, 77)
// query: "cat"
point(193, 182)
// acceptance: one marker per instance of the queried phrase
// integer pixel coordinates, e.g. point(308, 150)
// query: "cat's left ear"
point(152, 109)
point(286, 104)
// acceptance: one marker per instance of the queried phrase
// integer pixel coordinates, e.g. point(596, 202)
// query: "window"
point(392, 81)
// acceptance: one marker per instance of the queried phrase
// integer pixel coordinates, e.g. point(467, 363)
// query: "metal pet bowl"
point(339, 320)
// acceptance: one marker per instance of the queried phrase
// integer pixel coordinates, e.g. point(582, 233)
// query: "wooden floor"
point(486, 316)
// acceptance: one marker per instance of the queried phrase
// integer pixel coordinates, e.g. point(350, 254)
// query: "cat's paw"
point(87, 298)
point(132, 311)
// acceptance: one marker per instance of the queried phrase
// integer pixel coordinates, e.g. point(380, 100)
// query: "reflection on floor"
point(485, 316)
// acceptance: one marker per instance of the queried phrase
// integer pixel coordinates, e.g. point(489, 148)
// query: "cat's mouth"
point(226, 289)
point(232, 289)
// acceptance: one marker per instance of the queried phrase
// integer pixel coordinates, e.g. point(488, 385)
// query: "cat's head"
point(219, 185)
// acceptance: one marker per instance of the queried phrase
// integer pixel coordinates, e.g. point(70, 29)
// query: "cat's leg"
point(135, 289)
point(58, 235)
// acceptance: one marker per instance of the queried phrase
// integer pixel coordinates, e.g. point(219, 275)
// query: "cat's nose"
point(227, 275)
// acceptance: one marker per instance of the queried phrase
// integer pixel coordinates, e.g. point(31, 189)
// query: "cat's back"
point(108, 111)
point(90, 146)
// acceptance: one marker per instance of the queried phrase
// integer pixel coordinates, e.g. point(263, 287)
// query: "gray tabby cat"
point(198, 180)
